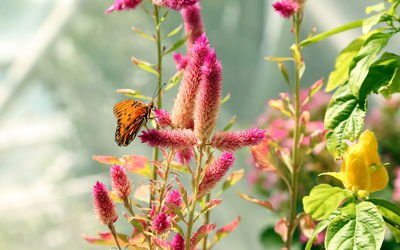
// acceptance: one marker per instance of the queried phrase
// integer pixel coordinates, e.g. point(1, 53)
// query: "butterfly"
point(131, 116)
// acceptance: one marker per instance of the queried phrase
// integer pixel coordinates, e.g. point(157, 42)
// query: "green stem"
point(206, 221)
point(296, 147)
point(114, 234)
point(194, 198)
point(166, 174)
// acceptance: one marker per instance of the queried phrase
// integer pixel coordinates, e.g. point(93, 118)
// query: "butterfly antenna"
point(159, 91)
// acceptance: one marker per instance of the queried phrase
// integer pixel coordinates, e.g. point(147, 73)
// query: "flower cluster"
point(119, 5)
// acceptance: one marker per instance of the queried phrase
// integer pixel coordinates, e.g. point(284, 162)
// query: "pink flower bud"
point(194, 26)
point(161, 223)
point(231, 141)
point(163, 118)
point(120, 182)
point(180, 61)
point(176, 139)
point(123, 5)
point(215, 172)
point(103, 205)
point(286, 8)
point(175, 4)
point(184, 155)
point(174, 197)
point(182, 113)
point(208, 97)
point(178, 243)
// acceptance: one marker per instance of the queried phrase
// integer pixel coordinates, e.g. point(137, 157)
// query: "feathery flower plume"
point(161, 223)
point(103, 205)
point(194, 26)
point(208, 97)
point(215, 172)
point(184, 155)
point(182, 112)
point(178, 243)
point(174, 197)
point(286, 8)
point(123, 5)
point(176, 139)
point(120, 182)
point(180, 61)
point(175, 4)
point(231, 141)
point(163, 118)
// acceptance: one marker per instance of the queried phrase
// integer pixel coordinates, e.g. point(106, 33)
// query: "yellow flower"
point(362, 169)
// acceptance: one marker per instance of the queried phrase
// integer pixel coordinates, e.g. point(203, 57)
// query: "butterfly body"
point(131, 115)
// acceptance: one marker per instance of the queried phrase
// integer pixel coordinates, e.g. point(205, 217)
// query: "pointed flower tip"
point(178, 243)
point(175, 4)
point(163, 118)
point(120, 182)
point(286, 8)
point(123, 5)
point(104, 206)
point(180, 61)
point(232, 141)
point(176, 139)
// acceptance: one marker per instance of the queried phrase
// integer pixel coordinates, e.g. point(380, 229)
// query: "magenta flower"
point(286, 8)
point(103, 205)
point(120, 182)
point(231, 141)
point(176, 139)
point(175, 4)
point(177, 243)
point(184, 155)
point(163, 118)
point(161, 223)
point(182, 112)
point(123, 5)
point(215, 172)
point(208, 97)
point(194, 26)
point(180, 61)
point(174, 197)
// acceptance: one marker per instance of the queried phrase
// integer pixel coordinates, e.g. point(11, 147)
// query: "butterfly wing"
point(130, 115)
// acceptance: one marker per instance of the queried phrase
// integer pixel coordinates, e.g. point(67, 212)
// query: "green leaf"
point(321, 227)
point(224, 231)
point(279, 59)
point(391, 215)
point(144, 65)
point(359, 68)
point(345, 120)
point(230, 123)
point(285, 74)
point(393, 86)
point(375, 8)
point(322, 36)
point(176, 45)
point(225, 99)
point(174, 31)
point(343, 61)
point(360, 226)
point(324, 199)
point(142, 33)
point(133, 93)
point(174, 80)
point(232, 179)
point(370, 22)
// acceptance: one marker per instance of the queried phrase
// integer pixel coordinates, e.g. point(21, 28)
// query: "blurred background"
point(60, 63)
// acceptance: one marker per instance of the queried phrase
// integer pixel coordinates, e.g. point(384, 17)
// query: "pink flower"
point(176, 139)
point(178, 243)
point(174, 197)
point(286, 8)
point(161, 223)
point(163, 118)
point(194, 26)
point(184, 155)
point(208, 97)
point(180, 61)
point(175, 4)
point(396, 184)
point(182, 112)
point(215, 172)
point(103, 205)
point(120, 182)
point(231, 141)
point(123, 5)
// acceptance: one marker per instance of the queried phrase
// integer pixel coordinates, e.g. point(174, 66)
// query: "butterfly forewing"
point(131, 115)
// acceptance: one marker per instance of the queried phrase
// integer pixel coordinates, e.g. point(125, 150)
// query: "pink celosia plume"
point(120, 182)
point(182, 112)
point(177, 243)
point(174, 197)
point(215, 172)
point(208, 97)
point(123, 5)
point(175, 4)
point(194, 26)
point(180, 61)
point(161, 223)
point(286, 8)
point(174, 139)
point(163, 118)
point(184, 155)
point(231, 141)
point(103, 205)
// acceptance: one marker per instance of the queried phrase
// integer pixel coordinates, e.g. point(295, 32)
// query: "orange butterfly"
point(131, 115)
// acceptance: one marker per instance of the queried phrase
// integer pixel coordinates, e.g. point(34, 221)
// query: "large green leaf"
point(360, 226)
point(391, 214)
point(323, 200)
point(345, 120)
point(366, 56)
point(321, 227)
